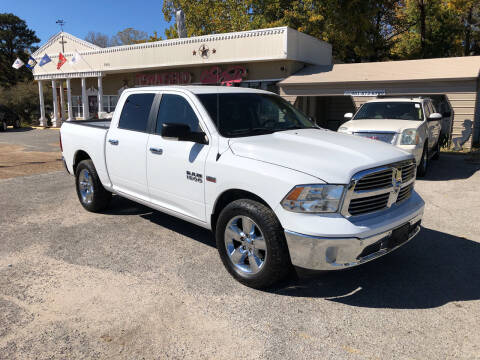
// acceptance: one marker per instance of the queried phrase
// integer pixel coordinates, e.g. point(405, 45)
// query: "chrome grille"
point(405, 193)
point(368, 204)
point(387, 137)
point(379, 188)
point(408, 171)
point(376, 180)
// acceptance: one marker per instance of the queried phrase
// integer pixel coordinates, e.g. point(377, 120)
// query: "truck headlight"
point(410, 137)
point(314, 198)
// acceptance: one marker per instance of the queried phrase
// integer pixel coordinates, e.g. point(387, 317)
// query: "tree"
point(467, 13)
point(436, 30)
point(129, 36)
point(16, 40)
point(98, 39)
point(23, 99)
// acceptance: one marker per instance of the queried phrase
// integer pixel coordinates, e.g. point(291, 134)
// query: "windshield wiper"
point(253, 131)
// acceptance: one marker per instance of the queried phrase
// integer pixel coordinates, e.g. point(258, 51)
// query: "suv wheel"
point(17, 124)
point(90, 191)
point(3, 126)
point(422, 167)
point(437, 151)
point(252, 245)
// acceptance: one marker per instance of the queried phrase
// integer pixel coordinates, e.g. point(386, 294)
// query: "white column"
point(100, 95)
point(69, 100)
point(62, 103)
point(84, 99)
point(55, 106)
point(43, 120)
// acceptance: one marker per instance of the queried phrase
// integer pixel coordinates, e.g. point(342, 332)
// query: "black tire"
point(276, 264)
point(422, 167)
point(436, 156)
point(17, 124)
point(100, 198)
point(3, 126)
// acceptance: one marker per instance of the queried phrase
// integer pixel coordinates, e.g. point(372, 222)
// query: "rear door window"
point(135, 112)
point(175, 109)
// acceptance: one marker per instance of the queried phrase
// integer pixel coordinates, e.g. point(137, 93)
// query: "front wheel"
point(422, 167)
point(17, 124)
point(90, 191)
point(3, 126)
point(252, 245)
point(437, 151)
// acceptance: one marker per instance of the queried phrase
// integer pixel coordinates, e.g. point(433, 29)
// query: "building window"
point(77, 106)
point(109, 102)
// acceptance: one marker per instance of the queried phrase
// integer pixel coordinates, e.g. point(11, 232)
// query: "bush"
point(23, 99)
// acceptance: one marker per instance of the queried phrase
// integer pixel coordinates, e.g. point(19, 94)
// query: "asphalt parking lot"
point(133, 283)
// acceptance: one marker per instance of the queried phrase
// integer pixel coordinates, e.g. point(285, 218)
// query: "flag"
point(18, 64)
point(31, 63)
point(75, 58)
point(45, 60)
point(61, 60)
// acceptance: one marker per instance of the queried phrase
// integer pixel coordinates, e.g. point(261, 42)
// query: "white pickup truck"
point(275, 189)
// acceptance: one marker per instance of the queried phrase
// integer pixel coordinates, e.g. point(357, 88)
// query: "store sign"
point(165, 78)
point(364, 92)
point(215, 75)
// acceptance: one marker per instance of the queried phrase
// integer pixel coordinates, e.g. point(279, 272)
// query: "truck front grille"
point(368, 204)
point(379, 188)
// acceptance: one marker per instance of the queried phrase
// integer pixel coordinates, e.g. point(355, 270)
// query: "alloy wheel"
point(85, 184)
point(245, 245)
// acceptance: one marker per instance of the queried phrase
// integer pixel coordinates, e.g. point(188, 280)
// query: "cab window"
point(135, 112)
point(176, 109)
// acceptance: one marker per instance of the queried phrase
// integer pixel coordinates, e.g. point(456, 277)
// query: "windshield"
point(249, 114)
point(390, 110)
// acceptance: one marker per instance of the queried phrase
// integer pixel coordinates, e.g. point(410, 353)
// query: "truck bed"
point(103, 123)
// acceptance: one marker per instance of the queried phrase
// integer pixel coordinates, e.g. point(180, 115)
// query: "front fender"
point(267, 181)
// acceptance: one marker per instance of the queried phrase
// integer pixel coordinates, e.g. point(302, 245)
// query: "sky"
point(82, 16)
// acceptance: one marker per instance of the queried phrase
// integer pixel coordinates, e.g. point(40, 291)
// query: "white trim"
point(77, 75)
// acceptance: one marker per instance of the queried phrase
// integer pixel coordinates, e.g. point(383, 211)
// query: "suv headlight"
point(314, 198)
point(410, 137)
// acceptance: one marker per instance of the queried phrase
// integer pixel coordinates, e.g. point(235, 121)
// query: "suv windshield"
point(249, 114)
point(390, 110)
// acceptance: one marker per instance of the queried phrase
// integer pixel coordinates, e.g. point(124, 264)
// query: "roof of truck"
point(199, 89)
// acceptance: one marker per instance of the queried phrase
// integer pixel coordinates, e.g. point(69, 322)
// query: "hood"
point(330, 156)
point(381, 125)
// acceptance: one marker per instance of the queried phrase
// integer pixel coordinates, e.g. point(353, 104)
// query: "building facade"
point(297, 66)
point(91, 84)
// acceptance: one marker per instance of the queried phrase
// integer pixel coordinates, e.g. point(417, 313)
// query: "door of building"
point(93, 106)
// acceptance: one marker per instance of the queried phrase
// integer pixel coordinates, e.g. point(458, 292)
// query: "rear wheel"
point(422, 167)
point(251, 244)
point(16, 124)
point(3, 126)
point(90, 191)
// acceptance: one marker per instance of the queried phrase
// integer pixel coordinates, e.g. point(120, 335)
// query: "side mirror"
point(348, 116)
point(435, 117)
point(447, 114)
point(182, 132)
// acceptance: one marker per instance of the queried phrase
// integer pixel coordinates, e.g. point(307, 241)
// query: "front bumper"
point(323, 253)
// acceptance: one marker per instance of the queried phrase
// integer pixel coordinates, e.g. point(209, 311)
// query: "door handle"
point(113, 142)
point(156, 151)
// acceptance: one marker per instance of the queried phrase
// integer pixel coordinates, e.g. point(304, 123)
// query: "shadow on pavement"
point(22, 129)
point(122, 206)
point(433, 269)
point(451, 167)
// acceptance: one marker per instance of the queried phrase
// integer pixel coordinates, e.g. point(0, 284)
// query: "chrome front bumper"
point(318, 253)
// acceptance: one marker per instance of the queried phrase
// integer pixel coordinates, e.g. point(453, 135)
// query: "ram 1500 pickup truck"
point(275, 189)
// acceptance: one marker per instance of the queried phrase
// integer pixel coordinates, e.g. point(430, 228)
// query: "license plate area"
point(398, 237)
